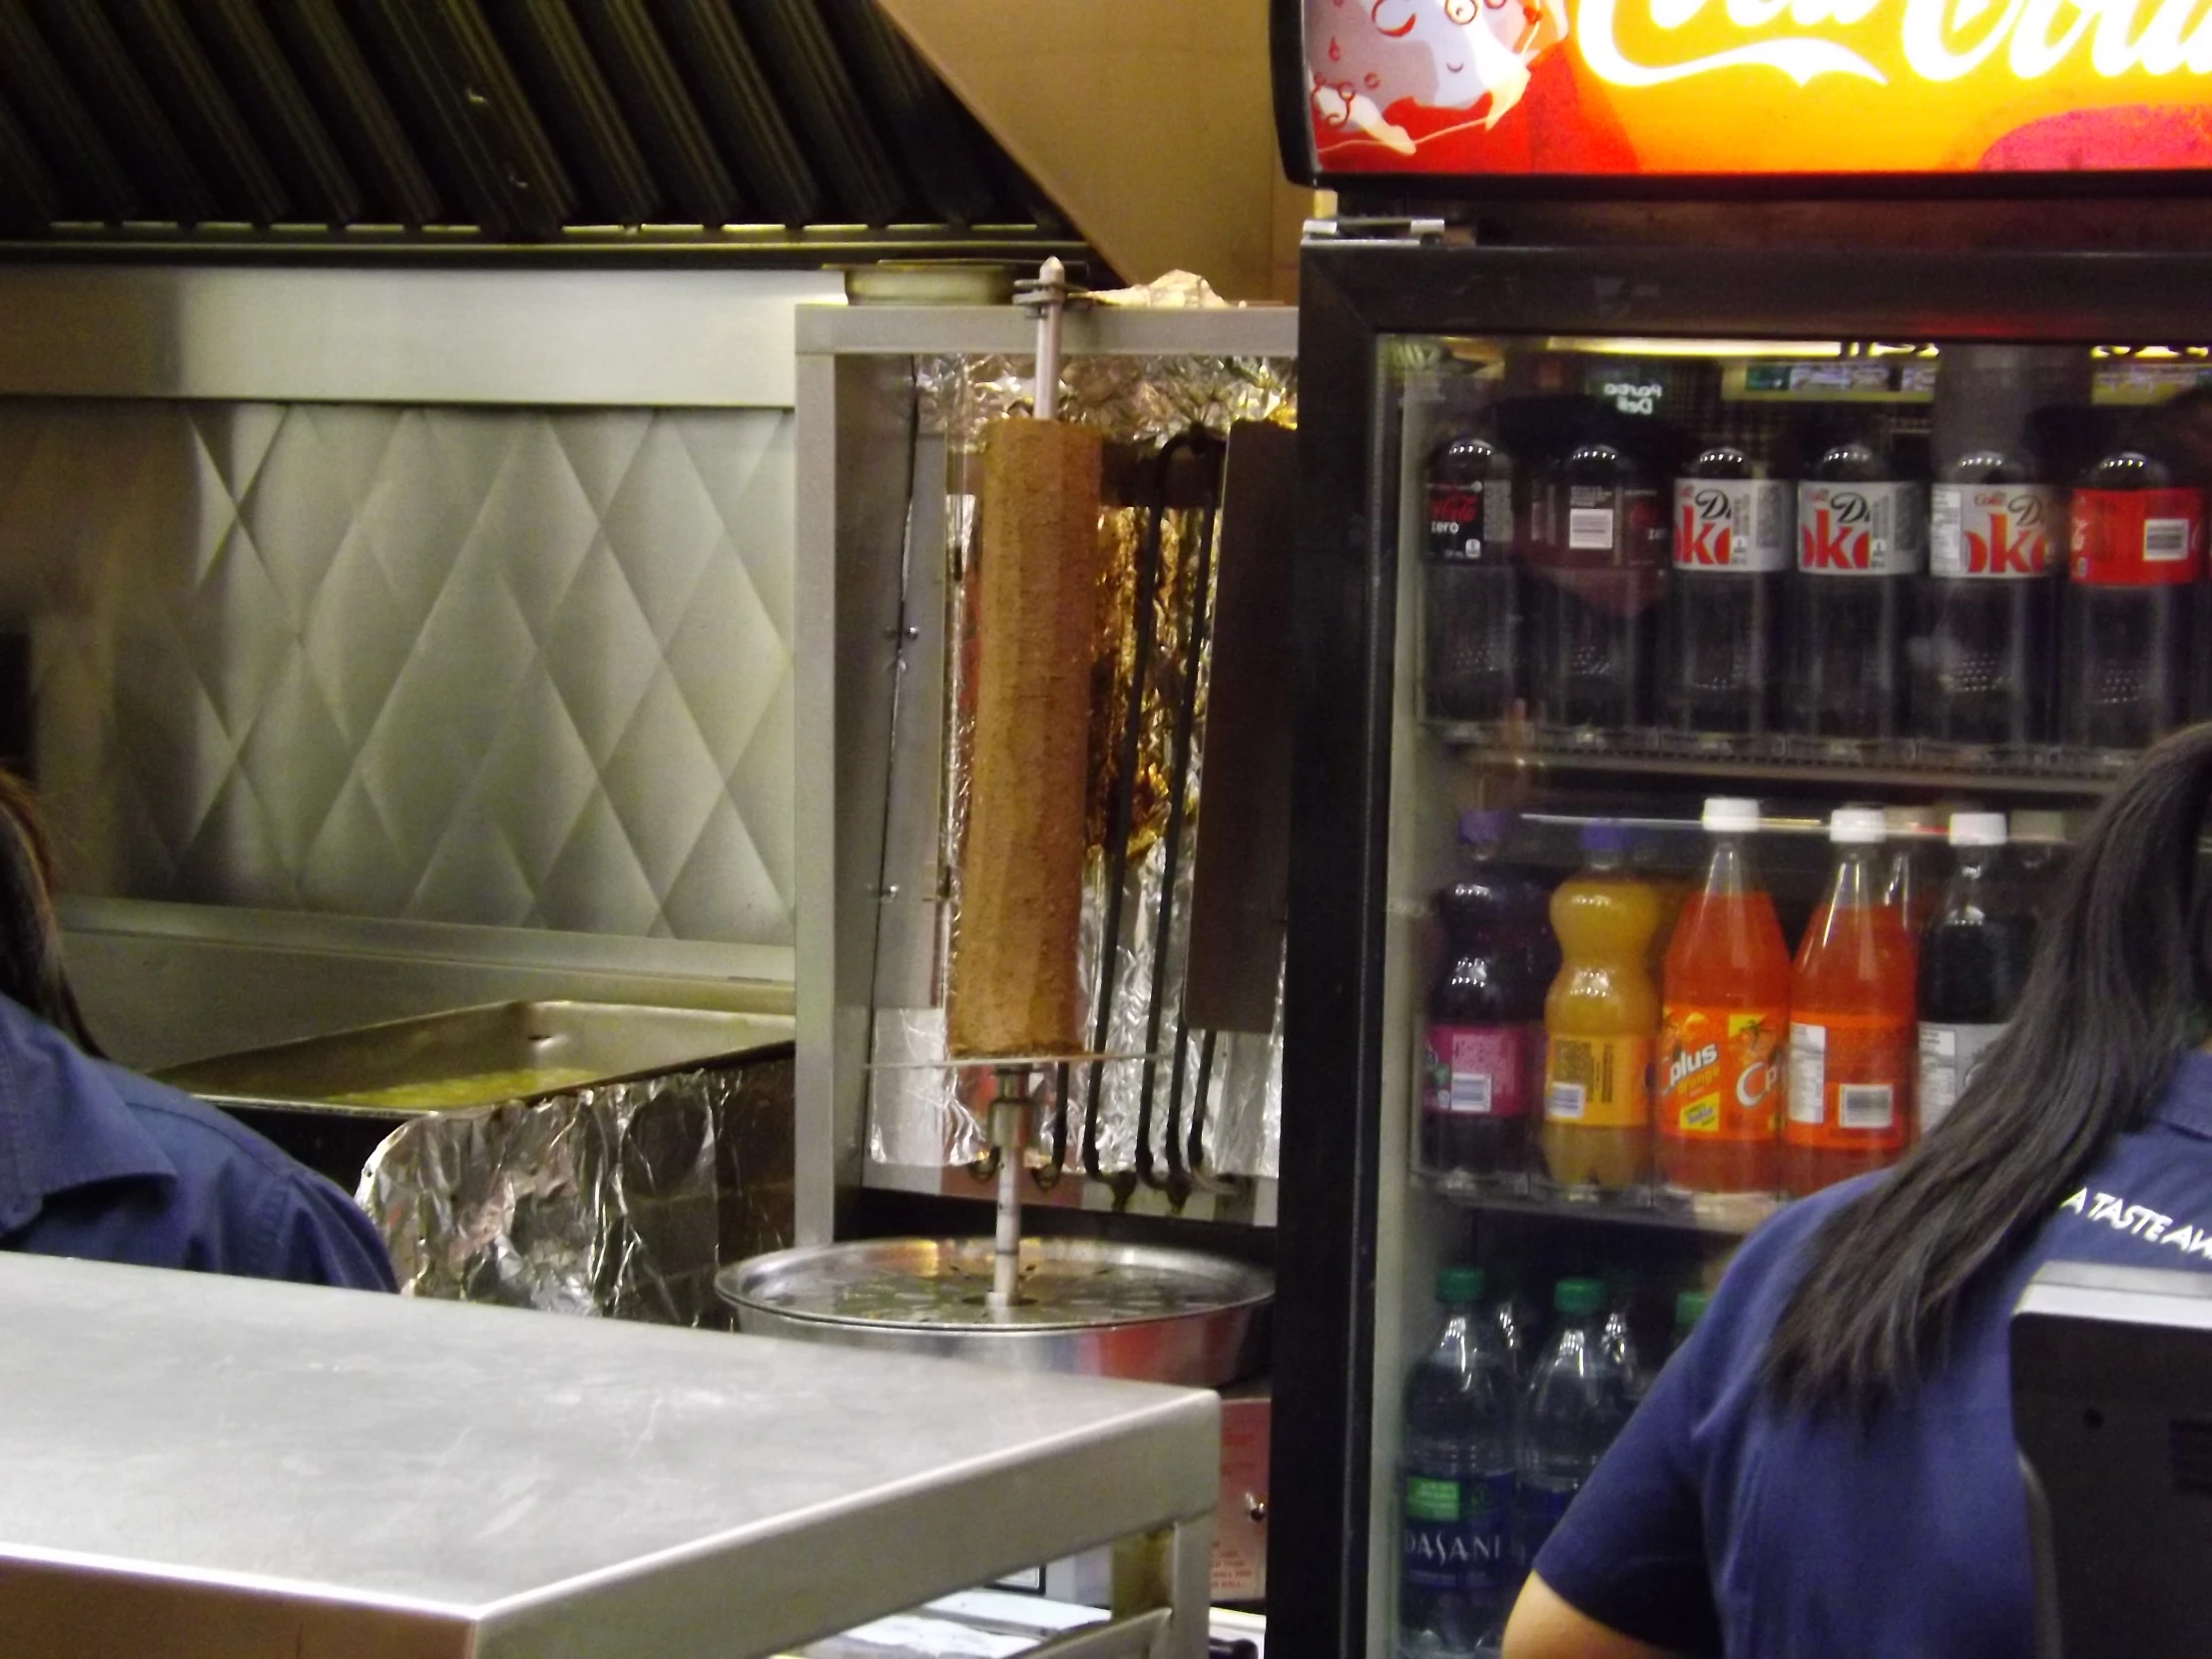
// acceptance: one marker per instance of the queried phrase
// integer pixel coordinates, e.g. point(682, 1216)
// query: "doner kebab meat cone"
point(1014, 983)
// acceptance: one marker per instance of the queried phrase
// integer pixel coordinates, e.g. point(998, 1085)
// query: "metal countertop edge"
point(271, 1585)
point(507, 1626)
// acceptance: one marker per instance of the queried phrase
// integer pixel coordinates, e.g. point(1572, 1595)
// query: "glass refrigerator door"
point(1957, 582)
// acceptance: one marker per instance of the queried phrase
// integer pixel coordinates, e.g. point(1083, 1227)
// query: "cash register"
point(2112, 1409)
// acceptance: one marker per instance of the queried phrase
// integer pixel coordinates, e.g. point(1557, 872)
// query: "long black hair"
point(31, 970)
point(2116, 995)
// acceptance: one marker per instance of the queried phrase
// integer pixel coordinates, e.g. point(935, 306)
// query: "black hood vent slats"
point(491, 120)
point(367, 128)
point(738, 95)
point(322, 186)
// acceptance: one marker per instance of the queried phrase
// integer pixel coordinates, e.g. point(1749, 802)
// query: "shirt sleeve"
point(320, 1237)
point(1630, 1550)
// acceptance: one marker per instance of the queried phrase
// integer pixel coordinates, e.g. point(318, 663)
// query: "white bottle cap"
point(1726, 814)
point(1858, 827)
point(1978, 829)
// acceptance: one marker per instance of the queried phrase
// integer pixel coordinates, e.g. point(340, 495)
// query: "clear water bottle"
point(1455, 1574)
point(1578, 1400)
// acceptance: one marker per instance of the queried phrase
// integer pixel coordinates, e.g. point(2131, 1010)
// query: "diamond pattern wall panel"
point(509, 668)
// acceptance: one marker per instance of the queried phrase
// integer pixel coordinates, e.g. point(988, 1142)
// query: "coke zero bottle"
point(2130, 609)
point(1723, 614)
point(1471, 581)
point(1860, 545)
point(1601, 551)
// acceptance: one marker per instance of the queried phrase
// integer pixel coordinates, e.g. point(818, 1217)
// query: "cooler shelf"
point(1730, 1216)
point(1904, 761)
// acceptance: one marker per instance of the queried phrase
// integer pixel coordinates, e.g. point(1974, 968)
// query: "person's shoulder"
point(278, 1218)
point(198, 1138)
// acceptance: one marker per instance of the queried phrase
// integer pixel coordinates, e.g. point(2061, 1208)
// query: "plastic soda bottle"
point(1600, 1019)
point(1861, 544)
point(1483, 1042)
point(1600, 539)
point(1853, 1047)
point(2131, 607)
point(1471, 581)
point(1578, 1400)
point(1734, 534)
point(1975, 959)
point(1457, 1482)
point(1726, 1014)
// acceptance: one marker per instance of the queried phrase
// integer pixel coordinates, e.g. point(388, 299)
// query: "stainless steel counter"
point(198, 1466)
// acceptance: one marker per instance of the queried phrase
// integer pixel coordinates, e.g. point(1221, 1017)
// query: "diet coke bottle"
point(1861, 528)
point(1599, 546)
point(2130, 610)
point(1471, 581)
point(1996, 542)
point(1723, 618)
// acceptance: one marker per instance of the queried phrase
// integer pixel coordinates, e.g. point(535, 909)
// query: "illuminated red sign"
point(1670, 87)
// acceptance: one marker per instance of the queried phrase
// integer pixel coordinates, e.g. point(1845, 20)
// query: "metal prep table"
point(199, 1467)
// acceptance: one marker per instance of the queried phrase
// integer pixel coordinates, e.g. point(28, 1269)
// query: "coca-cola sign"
point(1686, 87)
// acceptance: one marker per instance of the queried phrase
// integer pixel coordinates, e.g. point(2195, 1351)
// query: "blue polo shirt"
point(99, 1162)
point(1717, 1524)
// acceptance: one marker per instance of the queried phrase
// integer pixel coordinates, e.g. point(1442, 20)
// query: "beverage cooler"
point(1753, 505)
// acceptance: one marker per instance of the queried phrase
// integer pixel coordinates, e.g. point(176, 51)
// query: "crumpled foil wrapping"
point(620, 1201)
point(923, 1112)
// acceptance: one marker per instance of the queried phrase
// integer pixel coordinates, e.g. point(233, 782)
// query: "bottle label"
point(1470, 523)
point(1732, 526)
point(1476, 1071)
point(1999, 532)
point(1599, 1083)
point(1458, 1533)
point(1720, 1072)
point(2138, 538)
point(1860, 529)
point(1949, 1056)
point(1851, 1082)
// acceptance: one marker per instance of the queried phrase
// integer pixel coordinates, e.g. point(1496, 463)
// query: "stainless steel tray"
point(1089, 1307)
point(485, 1056)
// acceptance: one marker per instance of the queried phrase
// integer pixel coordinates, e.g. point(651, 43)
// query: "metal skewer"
point(1009, 1136)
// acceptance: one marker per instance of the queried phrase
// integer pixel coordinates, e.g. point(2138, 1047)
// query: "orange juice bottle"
point(1853, 1046)
point(1723, 1015)
point(1600, 1019)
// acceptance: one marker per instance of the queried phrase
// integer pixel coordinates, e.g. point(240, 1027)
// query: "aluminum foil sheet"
point(920, 1111)
point(620, 1201)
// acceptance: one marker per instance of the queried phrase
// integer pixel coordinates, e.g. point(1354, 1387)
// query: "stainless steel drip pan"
point(1088, 1307)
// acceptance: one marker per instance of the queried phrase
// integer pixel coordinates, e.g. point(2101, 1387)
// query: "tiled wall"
point(485, 665)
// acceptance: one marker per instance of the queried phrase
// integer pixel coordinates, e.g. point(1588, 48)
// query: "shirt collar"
point(62, 1123)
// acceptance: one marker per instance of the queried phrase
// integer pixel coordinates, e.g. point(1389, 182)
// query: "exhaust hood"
point(799, 129)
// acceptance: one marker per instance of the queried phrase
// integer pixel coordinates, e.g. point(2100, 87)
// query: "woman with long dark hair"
point(99, 1162)
point(1828, 1467)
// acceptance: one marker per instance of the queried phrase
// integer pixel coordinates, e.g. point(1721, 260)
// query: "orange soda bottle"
point(1725, 1014)
point(1853, 1046)
point(1600, 1019)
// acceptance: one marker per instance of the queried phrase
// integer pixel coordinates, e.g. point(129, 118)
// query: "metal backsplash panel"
point(509, 668)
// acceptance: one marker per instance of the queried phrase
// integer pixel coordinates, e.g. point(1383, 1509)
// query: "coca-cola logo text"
point(1707, 533)
point(2014, 541)
point(1939, 40)
point(1837, 533)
